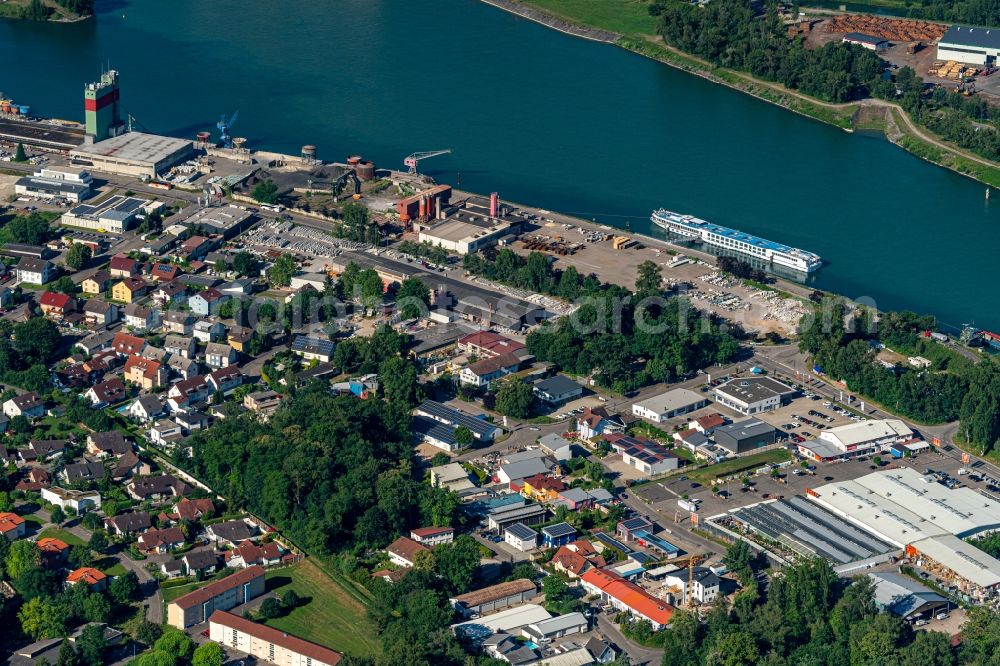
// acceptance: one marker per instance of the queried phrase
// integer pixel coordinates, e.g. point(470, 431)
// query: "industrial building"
point(101, 108)
point(866, 41)
point(267, 643)
point(226, 221)
point(481, 429)
point(979, 46)
point(976, 572)
point(72, 184)
point(133, 154)
point(115, 214)
point(753, 395)
point(906, 598)
point(743, 436)
point(856, 439)
point(667, 405)
point(472, 225)
point(495, 597)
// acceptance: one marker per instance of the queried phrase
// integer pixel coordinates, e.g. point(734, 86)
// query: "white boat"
point(736, 241)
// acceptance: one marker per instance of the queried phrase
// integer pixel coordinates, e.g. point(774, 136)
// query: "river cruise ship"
point(737, 242)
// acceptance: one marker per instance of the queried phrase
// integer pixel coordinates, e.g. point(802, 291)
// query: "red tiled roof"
point(154, 538)
point(211, 590)
point(188, 509)
point(405, 548)
point(147, 367)
point(10, 522)
point(630, 594)
point(54, 300)
point(88, 575)
point(120, 262)
point(543, 482)
point(50, 545)
point(710, 421)
point(423, 532)
point(127, 344)
point(271, 635)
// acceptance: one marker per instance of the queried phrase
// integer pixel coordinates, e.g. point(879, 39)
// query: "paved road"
point(639, 654)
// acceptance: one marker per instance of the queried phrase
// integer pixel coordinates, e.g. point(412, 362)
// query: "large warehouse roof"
point(904, 506)
point(866, 431)
point(968, 562)
point(965, 36)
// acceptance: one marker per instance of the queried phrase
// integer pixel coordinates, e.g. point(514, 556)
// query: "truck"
point(688, 505)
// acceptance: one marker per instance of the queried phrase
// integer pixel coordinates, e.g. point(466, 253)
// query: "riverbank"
point(15, 11)
point(845, 116)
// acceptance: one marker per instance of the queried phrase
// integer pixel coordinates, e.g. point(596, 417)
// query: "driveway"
point(639, 654)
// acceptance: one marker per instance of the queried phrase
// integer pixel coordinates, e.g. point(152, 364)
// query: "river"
point(541, 117)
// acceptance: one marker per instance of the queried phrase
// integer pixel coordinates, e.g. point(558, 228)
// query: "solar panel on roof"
point(559, 530)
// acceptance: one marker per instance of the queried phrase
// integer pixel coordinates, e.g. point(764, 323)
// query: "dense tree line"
point(953, 388)
point(26, 352)
point(728, 34)
point(973, 12)
point(333, 472)
point(81, 7)
point(809, 618)
point(630, 339)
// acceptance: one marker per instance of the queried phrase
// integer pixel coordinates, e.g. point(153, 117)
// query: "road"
point(639, 654)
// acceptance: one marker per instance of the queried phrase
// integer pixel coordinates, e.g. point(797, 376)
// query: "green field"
point(708, 474)
point(177, 591)
point(111, 566)
point(62, 535)
point(330, 617)
point(628, 17)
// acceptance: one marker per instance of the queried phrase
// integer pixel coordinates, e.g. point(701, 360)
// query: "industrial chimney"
point(494, 205)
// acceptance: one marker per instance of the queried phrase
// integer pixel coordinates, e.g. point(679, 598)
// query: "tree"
point(516, 399)
point(281, 272)
point(22, 556)
point(457, 563)
point(148, 632)
point(154, 658)
point(463, 437)
point(209, 654)
point(176, 643)
point(559, 598)
point(124, 588)
point(413, 298)
point(57, 516)
point(649, 279)
point(244, 263)
point(270, 609)
point(36, 340)
point(98, 541)
point(6, 502)
point(19, 154)
point(41, 618)
point(78, 255)
point(290, 599)
point(91, 645)
point(33, 229)
point(80, 556)
point(398, 376)
point(265, 192)
point(64, 285)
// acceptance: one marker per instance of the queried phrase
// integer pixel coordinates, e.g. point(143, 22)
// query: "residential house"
point(194, 510)
point(704, 586)
point(106, 393)
point(80, 501)
point(238, 337)
point(56, 305)
point(600, 651)
point(208, 331)
point(165, 432)
point(189, 392)
point(185, 368)
point(206, 302)
point(249, 554)
point(597, 421)
point(708, 423)
point(146, 408)
point(643, 454)
point(145, 373)
point(266, 644)
point(178, 322)
point(156, 487)
point(403, 551)
point(128, 345)
point(225, 379)
point(12, 526)
point(54, 552)
point(433, 536)
point(82, 472)
point(179, 345)
point(161, 272)
point(238, 287)
point(541, 487)
point(311, 349)
point(219, 355)
point(105, 444)
point(132, 522)
point(157, 354)
point(129, 290)
point(557, 390)
point(121, 266)
point(28, 405)
point(558, 447)
point(192, 419)
point(487, 344)
point(36, 479)
point(93, 578)
point(35, 271)
point(170, 293)
point(102, 362)
point(99, 313)
point(42, 450)
point(96, 284)
point(262, 402)
point(557, 535)
point(161, 541)
point(488, 370)
point(141, 318)
point(690, 438)
point(195, 247)
point(95, 342)
point(230, 532)
point(521, 537)
point(575, 558)
point(203, 561)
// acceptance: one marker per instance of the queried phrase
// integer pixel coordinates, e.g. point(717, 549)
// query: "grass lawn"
point(62, 535)
point(110, 566)
point(171, 593)
point(331, 617)
point(33, 520)
point(628, 17)
point(729, 467)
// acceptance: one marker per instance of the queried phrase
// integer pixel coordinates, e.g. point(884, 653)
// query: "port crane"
point(224, 124)
point(414, 159)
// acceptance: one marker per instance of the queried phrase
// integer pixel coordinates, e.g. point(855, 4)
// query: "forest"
point(953, 388)
point(972, 12)
point(604, 334)
point(728, 34)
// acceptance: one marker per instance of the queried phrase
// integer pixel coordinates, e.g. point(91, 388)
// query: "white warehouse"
point(979, 46)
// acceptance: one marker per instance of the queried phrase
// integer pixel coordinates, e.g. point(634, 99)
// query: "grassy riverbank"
point(631, 19)
point(21, 9)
